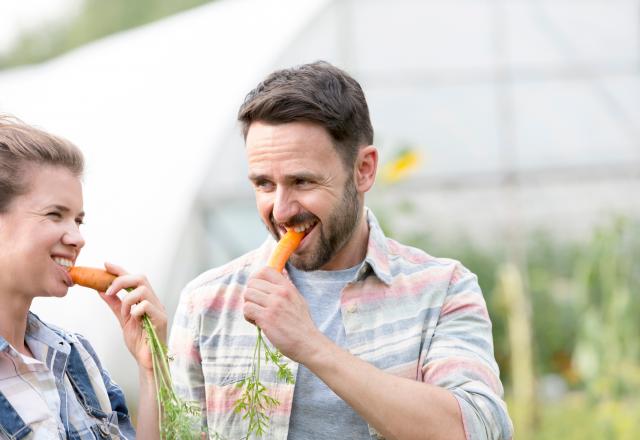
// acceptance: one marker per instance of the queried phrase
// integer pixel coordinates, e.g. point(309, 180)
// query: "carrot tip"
point(92, 278)
point(286, 246)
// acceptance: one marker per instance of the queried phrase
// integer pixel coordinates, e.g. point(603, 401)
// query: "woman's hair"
point(21, 148)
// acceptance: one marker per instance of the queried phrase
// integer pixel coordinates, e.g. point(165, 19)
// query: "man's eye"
point(79, 221)
point(54, 214)
point(263, 185)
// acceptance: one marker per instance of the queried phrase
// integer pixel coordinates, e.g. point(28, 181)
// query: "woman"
point(52, 384)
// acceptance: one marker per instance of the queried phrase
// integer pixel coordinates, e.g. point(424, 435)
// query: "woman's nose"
point(74, 238)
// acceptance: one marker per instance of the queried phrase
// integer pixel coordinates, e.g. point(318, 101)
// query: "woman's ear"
point(365, 168)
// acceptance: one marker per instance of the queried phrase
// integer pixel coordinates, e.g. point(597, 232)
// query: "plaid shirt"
point(38, 399)
point(407, 313)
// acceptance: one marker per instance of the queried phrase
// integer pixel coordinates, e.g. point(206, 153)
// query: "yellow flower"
point(406, 162)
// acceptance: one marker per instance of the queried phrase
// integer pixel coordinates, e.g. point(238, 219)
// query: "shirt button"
point(351, 308)
point(104, 429)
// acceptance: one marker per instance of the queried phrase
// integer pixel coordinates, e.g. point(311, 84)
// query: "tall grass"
point(580, 305)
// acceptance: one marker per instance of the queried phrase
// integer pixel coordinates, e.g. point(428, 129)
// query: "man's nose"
point(284, 205)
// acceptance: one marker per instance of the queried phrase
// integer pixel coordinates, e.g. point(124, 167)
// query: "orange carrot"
point(283, 250)
point(92, 278)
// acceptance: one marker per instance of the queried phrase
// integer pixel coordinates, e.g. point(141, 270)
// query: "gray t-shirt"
point(317, 412)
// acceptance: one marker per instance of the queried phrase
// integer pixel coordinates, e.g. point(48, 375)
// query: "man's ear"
point(365, 168)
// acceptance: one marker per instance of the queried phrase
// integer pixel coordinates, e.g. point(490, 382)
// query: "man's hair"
point(318, 93)
point(21, 148)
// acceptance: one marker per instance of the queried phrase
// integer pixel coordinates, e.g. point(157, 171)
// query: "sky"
point(17, 16)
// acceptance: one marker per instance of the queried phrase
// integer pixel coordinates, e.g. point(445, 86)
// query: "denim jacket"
point(97, 408)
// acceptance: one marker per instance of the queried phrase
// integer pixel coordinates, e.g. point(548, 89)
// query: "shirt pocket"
point(223, 387)
point(221, 374)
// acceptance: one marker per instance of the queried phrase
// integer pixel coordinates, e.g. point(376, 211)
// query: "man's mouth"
point(305, 227)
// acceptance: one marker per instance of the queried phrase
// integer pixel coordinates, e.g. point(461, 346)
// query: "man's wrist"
point(320, 353)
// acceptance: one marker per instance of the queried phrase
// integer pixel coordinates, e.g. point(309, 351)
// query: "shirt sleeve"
point(115, 393)
point(460, 358)
point(184, 348)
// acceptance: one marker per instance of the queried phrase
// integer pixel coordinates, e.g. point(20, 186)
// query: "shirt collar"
point(45, 334)
point(377, 257)
point(34, 327)
point(42, 334)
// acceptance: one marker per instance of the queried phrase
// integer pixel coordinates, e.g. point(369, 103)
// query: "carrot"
point(92, 278)
point(283, 250)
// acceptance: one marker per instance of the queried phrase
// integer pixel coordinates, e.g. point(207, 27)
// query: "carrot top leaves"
point(255, 402)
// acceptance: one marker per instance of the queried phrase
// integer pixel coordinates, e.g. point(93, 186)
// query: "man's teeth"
point(304, 227)
point(63, 262)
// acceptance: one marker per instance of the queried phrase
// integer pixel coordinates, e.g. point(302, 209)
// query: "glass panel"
point(568, 123)
point(422, 34)
point(454, 126)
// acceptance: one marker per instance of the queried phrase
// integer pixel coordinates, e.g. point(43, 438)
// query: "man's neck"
point(355, 250)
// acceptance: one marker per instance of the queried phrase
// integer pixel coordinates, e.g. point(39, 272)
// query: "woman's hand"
point(129, 311)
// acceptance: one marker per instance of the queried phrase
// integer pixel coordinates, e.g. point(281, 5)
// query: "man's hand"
point(274, 304)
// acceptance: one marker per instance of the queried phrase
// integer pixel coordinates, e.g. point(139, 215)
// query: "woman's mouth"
point(65, 264)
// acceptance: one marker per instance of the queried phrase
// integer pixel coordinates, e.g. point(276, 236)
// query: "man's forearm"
point(397, 407)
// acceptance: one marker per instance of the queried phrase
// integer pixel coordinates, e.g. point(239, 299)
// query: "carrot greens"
point(255, 402)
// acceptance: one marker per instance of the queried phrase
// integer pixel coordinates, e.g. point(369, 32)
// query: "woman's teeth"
point(63, 262)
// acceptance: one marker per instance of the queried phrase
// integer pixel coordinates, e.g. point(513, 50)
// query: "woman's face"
point(40, 234)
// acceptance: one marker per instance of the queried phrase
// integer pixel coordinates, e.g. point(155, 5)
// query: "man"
point(384, 340)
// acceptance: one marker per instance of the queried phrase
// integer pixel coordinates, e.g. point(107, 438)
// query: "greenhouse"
point(520, 119)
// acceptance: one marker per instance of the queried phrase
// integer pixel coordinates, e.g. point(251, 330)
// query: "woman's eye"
point(54, 214)
point(79, 221)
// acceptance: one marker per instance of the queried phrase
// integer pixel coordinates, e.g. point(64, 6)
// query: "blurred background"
point(510, 139)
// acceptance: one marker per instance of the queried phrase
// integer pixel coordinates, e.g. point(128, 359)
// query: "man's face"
point(300, 181)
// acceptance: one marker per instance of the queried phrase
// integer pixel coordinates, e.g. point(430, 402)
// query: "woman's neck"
point(13, 321)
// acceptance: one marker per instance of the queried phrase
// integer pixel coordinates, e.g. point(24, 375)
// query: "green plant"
point(607, 350)
point(176, 417)
point(255, 402)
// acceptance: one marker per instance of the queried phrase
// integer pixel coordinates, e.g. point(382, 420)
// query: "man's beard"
point(334, 233)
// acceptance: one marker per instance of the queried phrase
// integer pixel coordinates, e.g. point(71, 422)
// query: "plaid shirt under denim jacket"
point(66, 375)
point(405, 312)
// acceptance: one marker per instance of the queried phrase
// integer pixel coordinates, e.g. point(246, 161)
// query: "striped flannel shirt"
point(40, 396)
point(406, 312)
